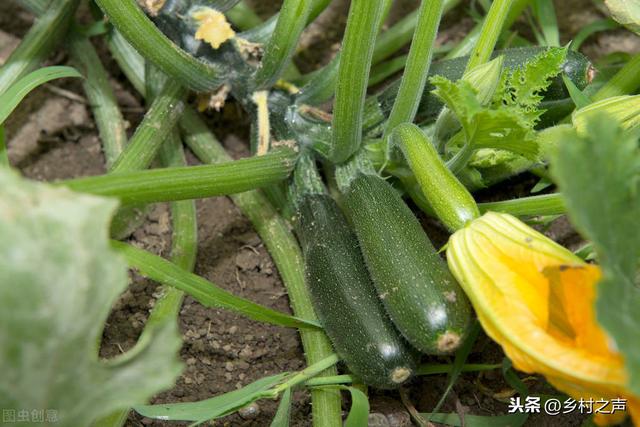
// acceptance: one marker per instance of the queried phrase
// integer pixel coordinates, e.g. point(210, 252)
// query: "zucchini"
point(345, 299)
point(577, 68)
point(421, 296)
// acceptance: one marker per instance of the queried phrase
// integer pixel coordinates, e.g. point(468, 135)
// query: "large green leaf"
point(626, 12)
point(58, 280)
point(599, 176)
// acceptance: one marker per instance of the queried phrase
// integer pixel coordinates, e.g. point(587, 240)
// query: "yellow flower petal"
point(213, 27)
point(535, 298)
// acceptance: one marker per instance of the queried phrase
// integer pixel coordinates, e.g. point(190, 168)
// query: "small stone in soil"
point(250, 411)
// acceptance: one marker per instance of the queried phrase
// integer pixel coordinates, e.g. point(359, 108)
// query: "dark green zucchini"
point(421, 296)
point(344, 298)
point(577, 67)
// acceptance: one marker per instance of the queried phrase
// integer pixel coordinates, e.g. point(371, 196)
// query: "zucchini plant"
point(345, 162)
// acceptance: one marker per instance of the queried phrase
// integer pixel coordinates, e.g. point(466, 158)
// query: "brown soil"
point(52, 136)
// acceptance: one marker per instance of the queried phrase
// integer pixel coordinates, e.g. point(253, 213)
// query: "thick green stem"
point(624, 82)
point(192, 182)
point(546, 204)
point(286, 254)
point(143, 35)
point(450, 200)
point(43, 37)
point(158, 122)
point(465, 46)
point(130, 61)
point(401, 33)
point(109, 120)
point(320, 84)
point(353, 75)
point(417, 68)
point(291, 21)
point(491, 29)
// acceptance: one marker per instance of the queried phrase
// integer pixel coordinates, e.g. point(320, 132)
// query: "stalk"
point(189, 182)
point(147, 39)
point(353, 75)
point(401, 33)
point(624, 82)
point(158, 122)
point(292, 20)
point(449, 199)
point(469, 41)
point(43, 37)
point(382, 71)
point(261, 33)
point(319, 85)
point(417, 68)
point(286, 254)
point(129, 60)
point(109, 120)
point(491, 29)
point(243, 17)
point(546, 204)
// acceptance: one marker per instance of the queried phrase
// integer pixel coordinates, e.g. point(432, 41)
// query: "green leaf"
point(10, 99)
point(626, 12)
point(523, 88)
point(215, 407)
point(577, 96)
point(603, 202)
point(58, 281)
point(359, 412)
point(460, 97)
point(284, 410)
point(208, 294)
point(504, 129)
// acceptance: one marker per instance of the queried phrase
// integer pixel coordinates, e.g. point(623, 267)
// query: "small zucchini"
point(421, 296)
point(344, 298)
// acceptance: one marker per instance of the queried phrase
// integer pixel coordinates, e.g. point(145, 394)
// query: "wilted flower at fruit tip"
point(536, 299)
point(212, 27)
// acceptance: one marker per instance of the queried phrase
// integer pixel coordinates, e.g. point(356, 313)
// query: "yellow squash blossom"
point(536, 299)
